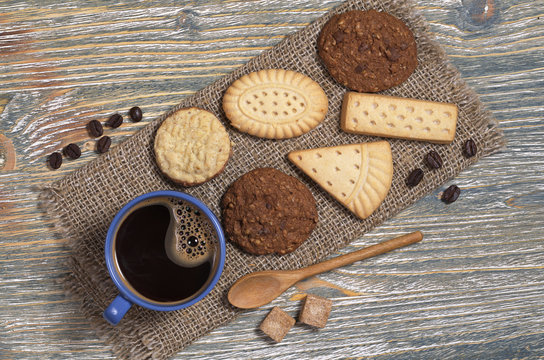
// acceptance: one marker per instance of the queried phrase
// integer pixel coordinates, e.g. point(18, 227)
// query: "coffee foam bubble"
point(191, 238)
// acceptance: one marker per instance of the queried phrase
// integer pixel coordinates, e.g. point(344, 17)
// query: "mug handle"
point(116, 310)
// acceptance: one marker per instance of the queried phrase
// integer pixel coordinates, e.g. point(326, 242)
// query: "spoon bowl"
point(259, 288)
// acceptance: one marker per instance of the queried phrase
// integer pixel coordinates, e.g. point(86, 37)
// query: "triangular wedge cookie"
point(357, 175)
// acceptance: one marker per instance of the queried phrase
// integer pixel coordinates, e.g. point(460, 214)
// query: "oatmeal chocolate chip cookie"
point(367, 51)
point(266, 211)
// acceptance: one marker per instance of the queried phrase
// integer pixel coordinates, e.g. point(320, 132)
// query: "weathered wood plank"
point(473, 288)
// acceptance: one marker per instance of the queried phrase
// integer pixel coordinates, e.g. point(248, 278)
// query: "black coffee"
point(141, 250)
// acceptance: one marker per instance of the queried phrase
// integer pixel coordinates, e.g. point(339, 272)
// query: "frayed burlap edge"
point(149, 346)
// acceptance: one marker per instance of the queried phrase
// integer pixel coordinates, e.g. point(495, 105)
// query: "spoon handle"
point(365, 253)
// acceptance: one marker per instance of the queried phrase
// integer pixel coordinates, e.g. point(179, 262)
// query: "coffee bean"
point(114, 121)
point(135, 113)
point(451, 194)
point(55, 160)
point(433, 160)
point(470, 148)
point(72, 151)
point(414, 178)
point(95, 129)
point(103, 144)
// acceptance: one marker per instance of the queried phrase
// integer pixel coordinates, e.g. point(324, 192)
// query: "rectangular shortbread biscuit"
point(395, 117)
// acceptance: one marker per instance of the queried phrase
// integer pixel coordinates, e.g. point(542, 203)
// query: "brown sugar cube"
point(277, 324)
point(315, 311)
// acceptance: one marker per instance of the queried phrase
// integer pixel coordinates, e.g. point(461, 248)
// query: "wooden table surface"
point(474, 288)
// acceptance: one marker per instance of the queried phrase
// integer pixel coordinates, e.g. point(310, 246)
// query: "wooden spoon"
point(261, 287)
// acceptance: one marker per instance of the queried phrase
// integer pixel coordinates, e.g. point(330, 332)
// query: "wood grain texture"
point(474, 288)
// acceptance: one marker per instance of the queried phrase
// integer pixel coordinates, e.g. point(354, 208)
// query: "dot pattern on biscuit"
point(395, 117)
point(357, 175)
point(275, 104)
point(191, 146)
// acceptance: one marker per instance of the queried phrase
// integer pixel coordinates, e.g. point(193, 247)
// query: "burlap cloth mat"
point(85, 202)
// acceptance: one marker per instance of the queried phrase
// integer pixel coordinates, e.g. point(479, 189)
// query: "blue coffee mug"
point(127, 297)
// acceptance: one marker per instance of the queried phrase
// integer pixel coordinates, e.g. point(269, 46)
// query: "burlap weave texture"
point(85, 202)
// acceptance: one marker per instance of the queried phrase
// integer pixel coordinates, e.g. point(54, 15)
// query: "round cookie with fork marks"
point(275, 104)
point(191, 146)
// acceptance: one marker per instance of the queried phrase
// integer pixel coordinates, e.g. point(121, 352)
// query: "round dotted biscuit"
point(266, 211)
point(367, 51)
point(191, 146)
